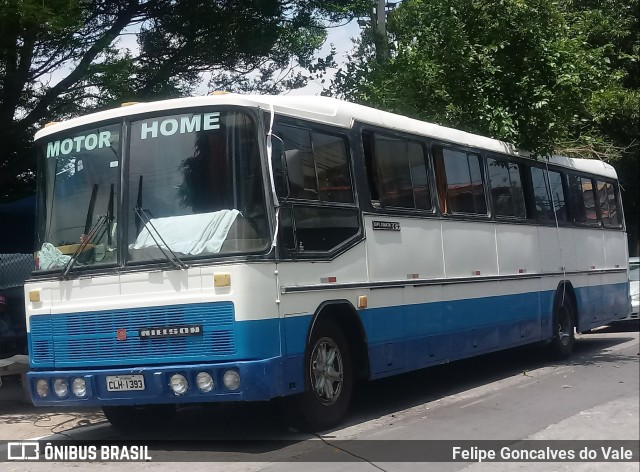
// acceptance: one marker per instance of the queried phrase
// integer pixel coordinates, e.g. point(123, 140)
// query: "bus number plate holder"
point(125, 383)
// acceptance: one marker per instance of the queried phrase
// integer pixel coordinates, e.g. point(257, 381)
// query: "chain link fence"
point(15, 269)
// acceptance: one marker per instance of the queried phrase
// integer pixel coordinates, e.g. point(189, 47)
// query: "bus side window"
point(589, 198)
point(368, 147)
point(391, 174)
point(317, 165)
point(506, 188)
point(318, 177)
point(548, 192)
point(332, 166)
point(557, 194)
point(608, 204)
point(301, 167)
point(463, 183)
point(581, 200)
point(441, 179)
point(576, 199)
point(397, 172)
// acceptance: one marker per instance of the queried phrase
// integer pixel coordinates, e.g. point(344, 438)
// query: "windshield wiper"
point(175, 260)
point(102, 221)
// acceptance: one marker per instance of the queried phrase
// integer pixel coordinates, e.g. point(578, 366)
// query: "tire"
point(25, 396)
point(564, 328)
point(138, 417)
point(328, 379)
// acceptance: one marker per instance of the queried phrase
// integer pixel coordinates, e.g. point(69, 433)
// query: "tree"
point(61, 58)
point(507, 69)
point(551, 76)
point(614, 27)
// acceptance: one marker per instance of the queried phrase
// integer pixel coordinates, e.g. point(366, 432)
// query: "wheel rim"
point(564, 326)
point(326, 369)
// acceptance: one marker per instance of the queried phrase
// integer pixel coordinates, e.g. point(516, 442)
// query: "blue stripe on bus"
point(415, 336)
point(400, 338)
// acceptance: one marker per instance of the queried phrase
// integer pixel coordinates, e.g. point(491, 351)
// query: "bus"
point(233, 248)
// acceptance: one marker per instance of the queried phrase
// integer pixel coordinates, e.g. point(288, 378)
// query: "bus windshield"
point(193, 189)
point(79, 183)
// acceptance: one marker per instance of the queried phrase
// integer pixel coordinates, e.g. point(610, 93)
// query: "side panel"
point(518, 249)
point(469, 248)
point(426, 303)
point(415, 249)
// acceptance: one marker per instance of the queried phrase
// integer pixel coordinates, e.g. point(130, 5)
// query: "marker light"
point(204, 382)
point(231, 380)
point(60, 387)
point(42, 388)
point(179, 384)
point(79, 387)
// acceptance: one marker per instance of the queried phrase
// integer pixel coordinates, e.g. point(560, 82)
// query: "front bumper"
point(259, 380)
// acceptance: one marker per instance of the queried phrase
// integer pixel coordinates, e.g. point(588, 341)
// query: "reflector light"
point(178, 384)
point(42, 388)
point(60, 387)
point(79, 387)
point(231, 380)
point(204, 381)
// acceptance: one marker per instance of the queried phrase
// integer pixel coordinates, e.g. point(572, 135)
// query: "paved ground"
point(19, 419)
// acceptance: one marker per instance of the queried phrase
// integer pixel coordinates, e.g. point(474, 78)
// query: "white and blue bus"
point(242, 248)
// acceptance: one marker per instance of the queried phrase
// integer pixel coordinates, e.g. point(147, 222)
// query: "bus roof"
point(328, 111)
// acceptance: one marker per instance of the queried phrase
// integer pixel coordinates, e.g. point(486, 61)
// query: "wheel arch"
point(565, 289)
point(343, 314)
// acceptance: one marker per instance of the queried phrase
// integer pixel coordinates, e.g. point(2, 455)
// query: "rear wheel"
point(138, 417)
point(564, 329)
point(328, 379)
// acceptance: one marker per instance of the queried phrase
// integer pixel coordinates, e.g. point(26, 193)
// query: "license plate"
point(124, 383)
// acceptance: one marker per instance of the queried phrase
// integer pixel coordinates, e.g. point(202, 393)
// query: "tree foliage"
point(551, 76)
point(61, 58)
point(526, 72)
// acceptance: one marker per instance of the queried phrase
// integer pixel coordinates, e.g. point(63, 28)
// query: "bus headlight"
point(231, 380)
point(42, 388)
point(79, 387)
point(60, 387)
point(178, 384)
point(204, 381)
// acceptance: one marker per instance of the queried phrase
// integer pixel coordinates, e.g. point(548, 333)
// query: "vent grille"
point(86, 339)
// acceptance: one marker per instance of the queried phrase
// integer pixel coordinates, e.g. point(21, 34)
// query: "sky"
point(340, 37)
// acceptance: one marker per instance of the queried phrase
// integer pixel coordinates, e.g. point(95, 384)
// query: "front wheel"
point(328, 379)
point(564, 329)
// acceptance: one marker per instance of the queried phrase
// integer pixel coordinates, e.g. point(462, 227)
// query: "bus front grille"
point(113, 337)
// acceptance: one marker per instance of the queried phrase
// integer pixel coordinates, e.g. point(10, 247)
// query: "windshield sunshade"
point(195, 187)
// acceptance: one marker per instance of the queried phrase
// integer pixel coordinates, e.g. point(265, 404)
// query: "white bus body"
point(405, 287)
